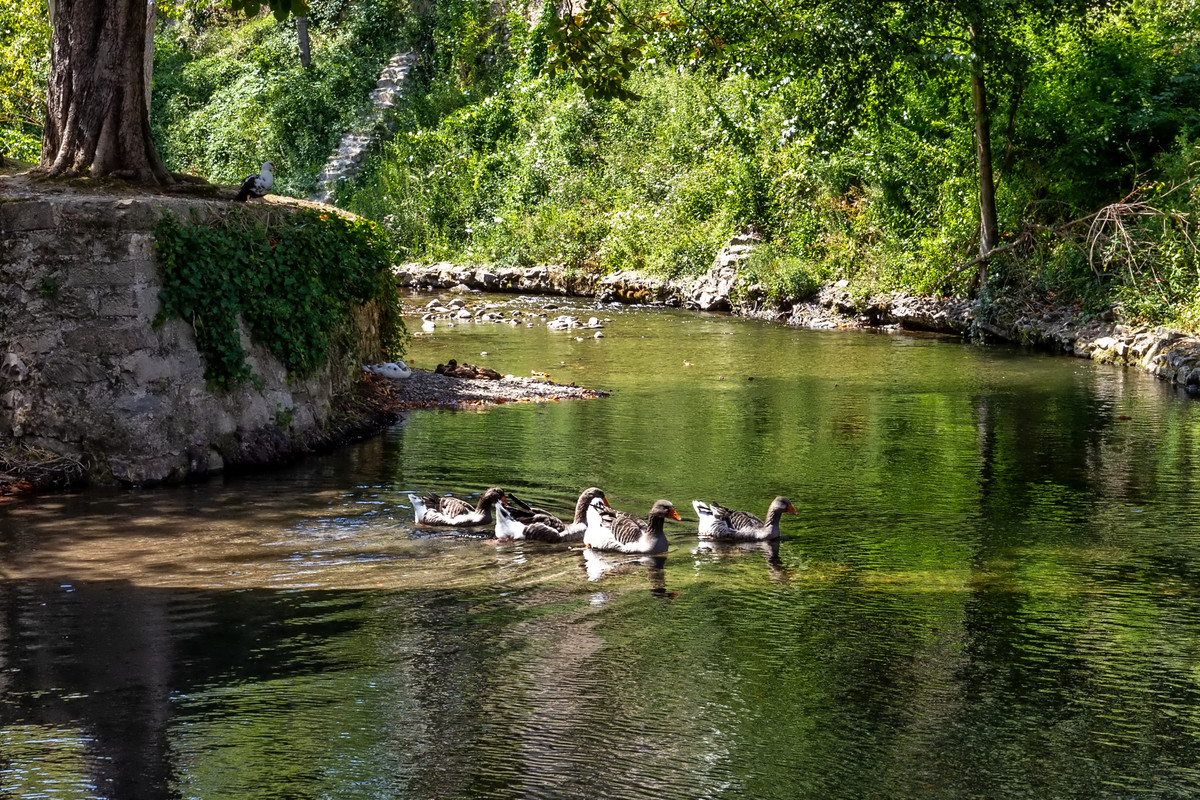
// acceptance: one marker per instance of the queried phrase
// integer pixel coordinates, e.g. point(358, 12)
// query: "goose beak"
point(791, 509)
point(675, 515)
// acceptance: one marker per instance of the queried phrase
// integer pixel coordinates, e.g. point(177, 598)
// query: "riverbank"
point(429, 389)
point(1168, 355)
point(375, 403)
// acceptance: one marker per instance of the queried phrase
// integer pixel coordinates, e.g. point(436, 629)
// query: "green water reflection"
point(990, 591)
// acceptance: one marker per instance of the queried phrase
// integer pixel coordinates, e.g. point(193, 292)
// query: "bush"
point(24, 67)
point(231, 94)
point(784, 276)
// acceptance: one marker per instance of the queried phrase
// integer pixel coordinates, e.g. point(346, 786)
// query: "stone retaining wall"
point(83, 372)
point(1168, 355)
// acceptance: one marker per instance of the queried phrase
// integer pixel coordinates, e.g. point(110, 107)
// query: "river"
point(990, 590)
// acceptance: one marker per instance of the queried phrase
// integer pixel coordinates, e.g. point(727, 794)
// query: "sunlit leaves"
point(600, 47)
point(282, 9)
point(24, 62)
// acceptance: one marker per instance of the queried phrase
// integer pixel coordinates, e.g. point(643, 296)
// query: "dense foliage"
point(24, 65)
point(230, 94)
point(844, 132)
point(294, 281)
point(851, 170)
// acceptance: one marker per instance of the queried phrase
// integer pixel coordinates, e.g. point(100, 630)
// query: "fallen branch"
point(34, 468)
point(1026, 235)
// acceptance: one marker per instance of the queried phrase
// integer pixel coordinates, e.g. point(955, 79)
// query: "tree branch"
point(1026, 235)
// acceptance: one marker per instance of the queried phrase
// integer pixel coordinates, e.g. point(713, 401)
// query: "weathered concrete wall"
point(83, 372)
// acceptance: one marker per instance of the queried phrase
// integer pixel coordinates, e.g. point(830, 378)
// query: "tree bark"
point(98, 118)
point(148, 58)
point(983, 148)
point(988, 226)
point(302, 37)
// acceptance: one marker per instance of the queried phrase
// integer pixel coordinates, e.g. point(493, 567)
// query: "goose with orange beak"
point(626, 533)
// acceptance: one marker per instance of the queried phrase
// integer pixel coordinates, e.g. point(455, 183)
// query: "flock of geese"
point(597, 524)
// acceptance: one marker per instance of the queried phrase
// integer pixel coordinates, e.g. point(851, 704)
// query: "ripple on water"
point(990, 591)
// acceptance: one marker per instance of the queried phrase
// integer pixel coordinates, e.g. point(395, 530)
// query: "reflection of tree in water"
point(110, 660)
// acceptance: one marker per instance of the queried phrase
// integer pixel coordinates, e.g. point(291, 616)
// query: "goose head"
point(491, 497)
point(779, 506)
point(662, 509)
point(587, 498)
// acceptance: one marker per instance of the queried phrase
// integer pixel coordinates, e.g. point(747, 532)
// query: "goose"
point(626, 533)
point(257, 185)
point(394, 370)
point(567, 531)
point(430, 509)
point(509, 527)
point(718, 522)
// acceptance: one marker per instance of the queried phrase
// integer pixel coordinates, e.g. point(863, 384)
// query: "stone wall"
point(84, 373)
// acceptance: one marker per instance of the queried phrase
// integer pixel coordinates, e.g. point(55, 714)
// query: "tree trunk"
point(97, 115)
point(983, 148)
point(988, 227)
point(148, 62)
point(302, 36)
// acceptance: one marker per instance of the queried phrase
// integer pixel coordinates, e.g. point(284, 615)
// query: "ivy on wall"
point(293, 278)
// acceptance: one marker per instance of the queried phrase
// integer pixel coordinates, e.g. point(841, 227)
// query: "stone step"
point(345, 162)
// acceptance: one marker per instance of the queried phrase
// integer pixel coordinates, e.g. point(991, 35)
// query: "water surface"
point(990, 590)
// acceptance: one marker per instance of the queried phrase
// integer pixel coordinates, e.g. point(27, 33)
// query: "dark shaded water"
point(991, 591)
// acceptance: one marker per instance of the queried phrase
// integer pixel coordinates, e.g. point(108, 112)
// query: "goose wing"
point(628, 529)
point(540, 532)
point(447, 506)
point(737, 520)
point(532, 514)
point(549, 521)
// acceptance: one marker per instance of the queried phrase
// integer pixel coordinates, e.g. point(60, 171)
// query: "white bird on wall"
point(257, 185)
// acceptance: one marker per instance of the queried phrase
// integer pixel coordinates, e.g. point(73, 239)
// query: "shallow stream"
point(992, 590)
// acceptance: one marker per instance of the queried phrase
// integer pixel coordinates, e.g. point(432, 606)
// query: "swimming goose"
point(509, 527)
point(718, 522)
point(434, 510)
point(626, 533)
point(567, 532)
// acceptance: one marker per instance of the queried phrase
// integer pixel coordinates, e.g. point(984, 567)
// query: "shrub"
point(293, 281)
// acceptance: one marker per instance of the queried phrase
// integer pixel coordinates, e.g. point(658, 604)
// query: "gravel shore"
point(425, 389)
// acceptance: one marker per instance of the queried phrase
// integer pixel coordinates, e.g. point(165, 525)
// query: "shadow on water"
point(97, 671)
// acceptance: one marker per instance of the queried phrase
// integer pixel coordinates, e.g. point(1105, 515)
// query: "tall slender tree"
point(854, 50)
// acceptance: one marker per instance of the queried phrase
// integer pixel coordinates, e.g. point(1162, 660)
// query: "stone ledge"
point(84, 373)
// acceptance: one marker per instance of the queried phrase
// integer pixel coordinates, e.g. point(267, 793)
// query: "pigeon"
point(257, 185)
